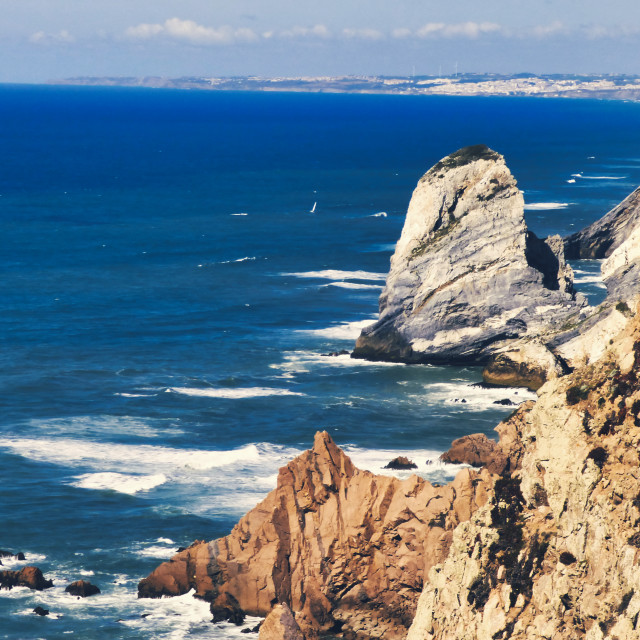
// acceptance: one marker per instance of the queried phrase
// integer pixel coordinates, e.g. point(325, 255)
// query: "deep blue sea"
point(167, 296)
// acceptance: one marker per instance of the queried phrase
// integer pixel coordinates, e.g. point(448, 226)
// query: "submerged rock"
point(467, 277)
point(340, 546)
point(41, 611)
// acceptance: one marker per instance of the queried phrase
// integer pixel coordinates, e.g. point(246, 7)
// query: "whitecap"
point(336, 274)
point(381, 214)
point(136, 395)
point(245, 259)
point(120, 482)
point(344, 331)
point(165, 540)
point(476, 398)
point(571, 180)
point(603, 177)
point(158, 552)
point(354, 285)
point(234, 394)
point(546, 206)
point(239, 214)
point(303, 361)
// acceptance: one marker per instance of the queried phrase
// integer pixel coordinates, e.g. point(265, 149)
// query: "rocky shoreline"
point(541, 538)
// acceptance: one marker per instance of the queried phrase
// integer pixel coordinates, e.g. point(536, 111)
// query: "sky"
point(42, 40)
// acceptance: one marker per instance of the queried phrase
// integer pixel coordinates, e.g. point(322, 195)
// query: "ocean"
point(168, 301)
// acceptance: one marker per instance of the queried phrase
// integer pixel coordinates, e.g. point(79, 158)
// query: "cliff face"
point(556, 552)
point(467, 277)
point(344, 548)
point(604, 236)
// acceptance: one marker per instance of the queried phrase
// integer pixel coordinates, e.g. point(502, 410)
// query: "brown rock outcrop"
point(478, 451)
point(82, 589)
point(27, 577)
point(555, 553)
point(280, 624)
point(344, 548)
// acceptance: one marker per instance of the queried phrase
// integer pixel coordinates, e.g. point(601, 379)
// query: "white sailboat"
point(313, 209)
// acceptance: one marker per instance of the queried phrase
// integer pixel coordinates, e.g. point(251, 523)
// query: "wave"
point(354, 285)
point(124, 457)
point(303, 361)
point(344, 331)
point(546, 206)
point(101, 425)
point(381, 214)
point(245, 259)
point(120, 482)
point(581, 175)
point(239, 214)
point(233, 394)
point(472, 398)
point(135, 395)
point(571, 181)
point(336, 274)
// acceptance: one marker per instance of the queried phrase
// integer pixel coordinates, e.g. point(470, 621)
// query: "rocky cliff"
point(344, 548)
point(555, 553)
point(467, 277)
point(604, 236)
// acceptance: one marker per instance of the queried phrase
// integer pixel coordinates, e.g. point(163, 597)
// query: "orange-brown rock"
point(344, 548)
point(27, 577)
point(280, 624)
point(478, 451)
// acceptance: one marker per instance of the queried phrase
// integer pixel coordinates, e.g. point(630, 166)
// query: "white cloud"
point(549, 30)
point(457, 30)
point(363, 34)
point(402, 33)
point(191, 32)
point(317, 31)
point(41, 37)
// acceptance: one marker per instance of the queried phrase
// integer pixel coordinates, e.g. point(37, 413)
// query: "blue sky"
point(48, 39)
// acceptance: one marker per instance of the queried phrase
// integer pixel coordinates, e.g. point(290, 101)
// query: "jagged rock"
point(555, 552)
point(603, 237)
point(9, 554)
point(82, 588)
point(401, 463)
point(27, 577)
point(339, 545)
point(478, 451)
point(467, 278)
point(528, 364)
point(280, 624)
point(41, 611)
point(226, 607)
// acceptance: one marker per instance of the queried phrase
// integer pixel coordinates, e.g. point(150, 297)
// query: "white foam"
point(30, 559)
point(158, 552)
point(120, 482)
point(302, 361)
point(336, 274)
point(136, 395)
point(475, 398)
point(245, 259)
point(165, 540)
point(122, 457)
point(381, 214)
point(546, 206)
point(239, 214)
point(429, 465)
point(571, 180)
point(234, 394)
point(588, 279)
point(344, 331)
point(580, 175)
point(353, 285)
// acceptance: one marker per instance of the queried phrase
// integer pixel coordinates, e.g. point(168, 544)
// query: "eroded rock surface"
point(603, 237)
point(280, 624)
point(467, 277)
point(30, 577)
point(342, 547)
point(555, 553)
point(478, 451)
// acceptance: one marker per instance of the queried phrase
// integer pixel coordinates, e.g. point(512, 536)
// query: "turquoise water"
point(167, 297)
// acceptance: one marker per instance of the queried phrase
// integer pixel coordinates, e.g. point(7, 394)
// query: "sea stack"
point(468, 278)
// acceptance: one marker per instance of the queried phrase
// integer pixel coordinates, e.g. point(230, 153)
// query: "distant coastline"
point(610, 87)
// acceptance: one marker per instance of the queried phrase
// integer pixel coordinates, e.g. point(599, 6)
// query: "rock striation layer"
point(467, 277)
point(603, 237)
point(343, 548)
point(555, 552)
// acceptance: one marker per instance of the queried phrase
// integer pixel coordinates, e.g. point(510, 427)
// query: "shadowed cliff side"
point(555, 553)
point(467, 277)
point(344, 548)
